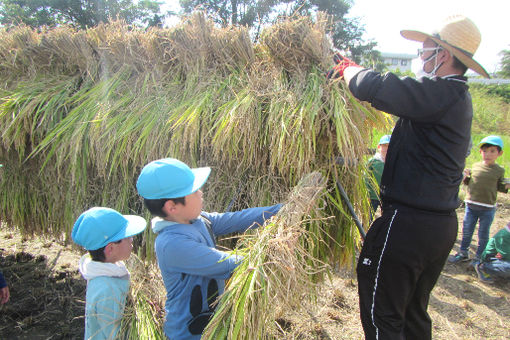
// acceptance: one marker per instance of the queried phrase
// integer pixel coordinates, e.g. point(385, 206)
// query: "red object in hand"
point(341, 64)
point(499, 256)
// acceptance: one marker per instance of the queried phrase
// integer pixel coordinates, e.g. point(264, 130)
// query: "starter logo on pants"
point(367, 261)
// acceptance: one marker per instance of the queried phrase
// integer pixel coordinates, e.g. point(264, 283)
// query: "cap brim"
point(201, 176)
point(465, 59)
point(490, 143)
point(136, 224)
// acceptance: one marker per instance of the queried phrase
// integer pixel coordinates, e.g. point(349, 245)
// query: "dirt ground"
point(48, 296)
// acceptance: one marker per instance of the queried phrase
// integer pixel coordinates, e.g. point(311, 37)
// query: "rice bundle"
point(143, 314)
point(276, 273)
point(298, 44)
point(81, 112)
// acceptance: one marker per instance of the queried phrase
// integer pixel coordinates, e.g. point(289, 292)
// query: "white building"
point(398, 61)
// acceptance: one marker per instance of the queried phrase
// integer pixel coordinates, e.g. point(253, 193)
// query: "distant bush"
point(502, 90)
point(491, 110)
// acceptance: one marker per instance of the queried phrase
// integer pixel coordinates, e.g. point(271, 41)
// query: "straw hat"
point(459, 36)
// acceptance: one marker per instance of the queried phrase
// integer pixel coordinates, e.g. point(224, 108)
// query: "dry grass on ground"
point(47, 297)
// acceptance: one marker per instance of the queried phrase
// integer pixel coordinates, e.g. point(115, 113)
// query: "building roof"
point(398, 55)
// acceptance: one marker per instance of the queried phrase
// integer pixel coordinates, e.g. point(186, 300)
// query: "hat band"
point(469, 54)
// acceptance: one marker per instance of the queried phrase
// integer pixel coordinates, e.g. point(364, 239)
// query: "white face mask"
point(417, 65)
point(417, 68)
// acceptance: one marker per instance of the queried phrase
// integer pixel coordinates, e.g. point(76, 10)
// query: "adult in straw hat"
point(459, 37)
point(406, 248)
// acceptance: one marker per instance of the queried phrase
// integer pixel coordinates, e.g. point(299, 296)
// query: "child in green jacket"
point(495, 260)
point(375, 167)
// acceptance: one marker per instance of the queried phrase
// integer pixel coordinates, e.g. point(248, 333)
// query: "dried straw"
point(85, 110)
point(276, 273)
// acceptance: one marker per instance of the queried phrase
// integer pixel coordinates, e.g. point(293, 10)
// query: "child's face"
point(490, 153)
point(119, 251)
point(191, 210)
point(194, 204)
point(383, 150)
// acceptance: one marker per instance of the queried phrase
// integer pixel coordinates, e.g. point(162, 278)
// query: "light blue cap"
point(170, 178)
point(385, 139)
point(98, 226)
point(492, 140)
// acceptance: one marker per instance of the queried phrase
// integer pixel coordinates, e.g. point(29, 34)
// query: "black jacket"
point(429, 143)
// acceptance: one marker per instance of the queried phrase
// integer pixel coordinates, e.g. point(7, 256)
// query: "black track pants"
point(401, 259)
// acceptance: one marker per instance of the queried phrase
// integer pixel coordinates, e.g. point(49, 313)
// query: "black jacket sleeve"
point(428, 146)
point(423, 100)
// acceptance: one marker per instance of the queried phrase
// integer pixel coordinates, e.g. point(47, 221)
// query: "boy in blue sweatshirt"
point(108, 236)
point(193, 270)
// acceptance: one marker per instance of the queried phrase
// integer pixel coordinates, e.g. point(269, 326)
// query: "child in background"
point(108, 236)
point(375, 167)
point(4, 290)
point(193, 270)
point(484, 181)
point(495, 260)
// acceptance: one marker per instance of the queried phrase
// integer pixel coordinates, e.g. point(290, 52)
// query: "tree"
point(505, 64)
point(374, 60)
point(79, 13)
point(235, 12)
point(346, 33)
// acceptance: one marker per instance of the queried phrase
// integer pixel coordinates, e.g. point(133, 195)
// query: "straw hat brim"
point(461, 55)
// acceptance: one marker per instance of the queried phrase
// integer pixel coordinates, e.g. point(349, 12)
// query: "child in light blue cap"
point(108, 236)
point(484, 180)
point(376, 166)
point(193, 270)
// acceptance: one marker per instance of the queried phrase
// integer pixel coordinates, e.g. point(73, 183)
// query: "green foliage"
point(232, 12)
point(373, 59)
point(505, 64)
point(407, 73)
point(491, 114)
point(498, 90)
point(79, 13)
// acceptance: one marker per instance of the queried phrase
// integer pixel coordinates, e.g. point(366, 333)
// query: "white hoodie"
point(107, 289)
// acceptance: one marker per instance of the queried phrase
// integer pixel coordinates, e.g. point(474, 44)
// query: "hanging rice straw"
point(277, 272)
point(81, 112)
point(143, 315)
